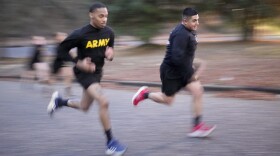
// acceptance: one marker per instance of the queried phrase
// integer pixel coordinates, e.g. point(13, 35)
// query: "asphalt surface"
point(244, 127)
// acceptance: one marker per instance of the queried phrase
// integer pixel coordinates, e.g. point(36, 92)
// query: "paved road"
point(245, 128)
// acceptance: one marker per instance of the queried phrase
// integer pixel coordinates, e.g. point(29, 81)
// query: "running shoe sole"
point(200, 134)
point(114, 153)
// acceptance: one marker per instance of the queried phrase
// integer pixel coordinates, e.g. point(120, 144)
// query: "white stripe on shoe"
point(51, 106)
point(202, 133)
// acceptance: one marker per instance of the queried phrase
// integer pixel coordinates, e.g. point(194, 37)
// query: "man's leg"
point(27, 76)
point(196, 89)
point(158, 97)
point(113, 145)
point(161, 98)
point(67, 73)
point(58, 102)
point(95, 92)
point(199, 128)
point(82, 105)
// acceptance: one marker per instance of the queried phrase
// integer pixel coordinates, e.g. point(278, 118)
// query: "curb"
point(206, 87)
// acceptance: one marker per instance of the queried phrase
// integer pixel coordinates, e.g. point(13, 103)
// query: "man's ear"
point(90, 15)
point(184, 21)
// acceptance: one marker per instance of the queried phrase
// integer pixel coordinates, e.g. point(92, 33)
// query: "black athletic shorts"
point(86, 79)
point(172, 80)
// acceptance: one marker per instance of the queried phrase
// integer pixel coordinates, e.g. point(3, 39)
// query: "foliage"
point(244, 13)
point(141, 18)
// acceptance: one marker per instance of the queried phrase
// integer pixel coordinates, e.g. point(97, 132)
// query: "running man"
point(37, 65)
point(178, 71)
point(94, 43)
point(64, 68)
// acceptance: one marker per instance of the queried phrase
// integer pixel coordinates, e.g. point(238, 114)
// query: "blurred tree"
point(40, 17)
point(141, 18)
point(245, 13)
point(144, 18)
point(138, 18)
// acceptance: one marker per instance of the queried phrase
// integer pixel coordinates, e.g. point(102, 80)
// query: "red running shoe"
point(139, 95)
point(201, 130)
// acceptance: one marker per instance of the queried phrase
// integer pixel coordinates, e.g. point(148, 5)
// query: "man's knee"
point(195, 88)
point(103, 102)
point(169, 100)
point(85, 108)
point(198, 92)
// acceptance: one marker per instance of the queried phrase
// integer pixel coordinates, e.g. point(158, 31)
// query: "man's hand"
point(86, 65)
point(194, 78)
point(199, 66)
point(109, 53)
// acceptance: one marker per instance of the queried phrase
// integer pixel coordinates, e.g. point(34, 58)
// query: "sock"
point(109, 135)
point(62, 102)
point(146, 95)
point(197, 120)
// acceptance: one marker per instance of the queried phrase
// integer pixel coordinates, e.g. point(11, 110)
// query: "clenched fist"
point(86, 65)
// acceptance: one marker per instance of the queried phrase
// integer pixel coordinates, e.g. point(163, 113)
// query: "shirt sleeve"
point(112, 40)
point(65, 46)
point(179, 45)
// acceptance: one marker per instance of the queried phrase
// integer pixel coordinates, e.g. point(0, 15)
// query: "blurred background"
point(143, 19)
point(238, 37)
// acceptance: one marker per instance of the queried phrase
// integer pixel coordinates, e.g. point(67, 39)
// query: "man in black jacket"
point(177, 72)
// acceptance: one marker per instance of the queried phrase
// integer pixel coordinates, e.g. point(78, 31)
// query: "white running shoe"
point(53, 105)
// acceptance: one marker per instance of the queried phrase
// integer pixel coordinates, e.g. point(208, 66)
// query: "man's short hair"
point(187, 12)
point(96, 5)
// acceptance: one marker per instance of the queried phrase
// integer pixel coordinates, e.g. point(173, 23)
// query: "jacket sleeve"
point(179, 45)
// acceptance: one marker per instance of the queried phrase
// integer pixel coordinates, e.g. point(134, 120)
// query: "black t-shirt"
point(37, 54)
point(181, 50)
point(90, 42)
